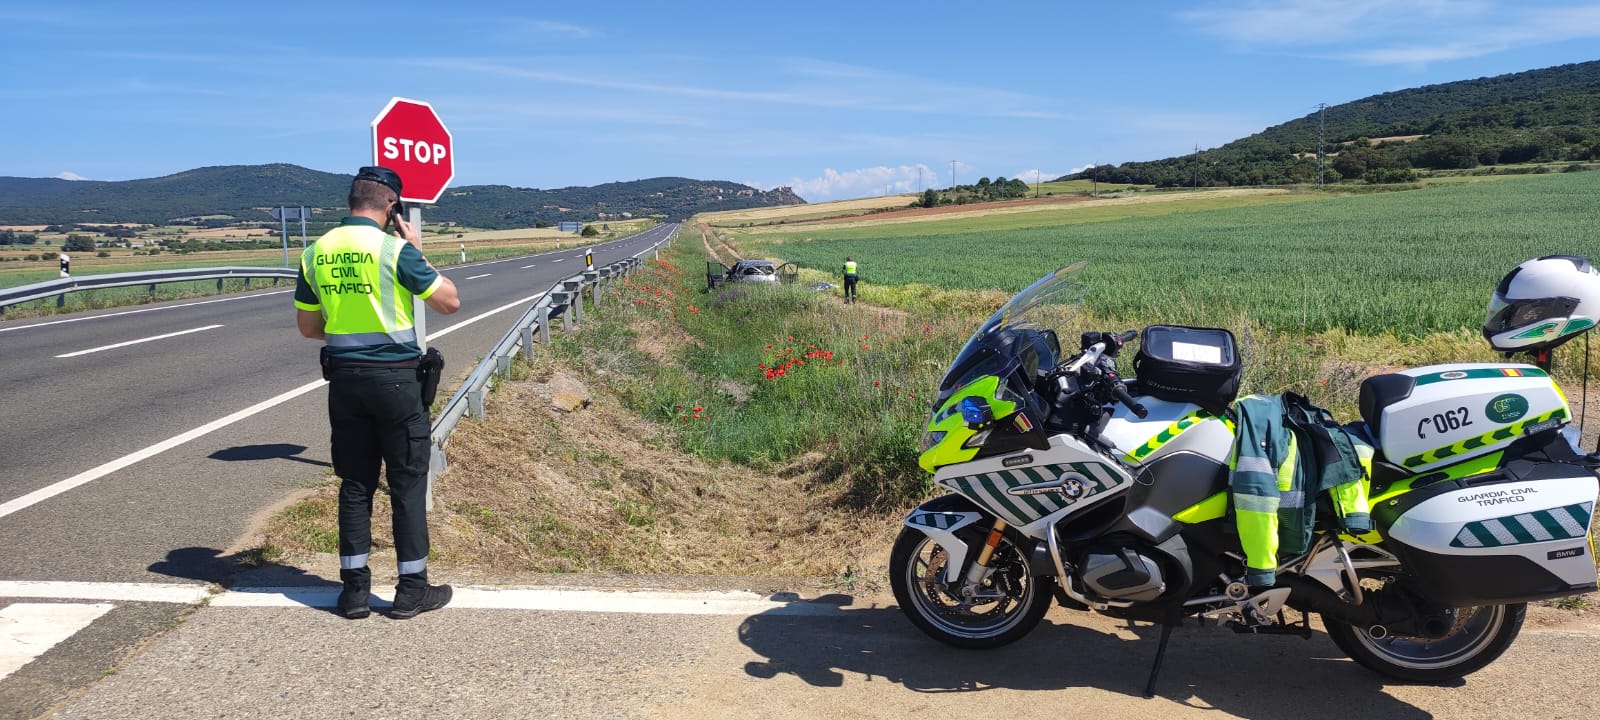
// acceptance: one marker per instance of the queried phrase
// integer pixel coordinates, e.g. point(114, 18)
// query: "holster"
point(430, 367)
point(326, 361)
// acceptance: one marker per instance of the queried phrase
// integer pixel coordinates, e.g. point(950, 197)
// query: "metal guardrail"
point(565, 301)
point(60, 288)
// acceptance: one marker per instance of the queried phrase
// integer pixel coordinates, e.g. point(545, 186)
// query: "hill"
point(1546, 115)
point(243, 192)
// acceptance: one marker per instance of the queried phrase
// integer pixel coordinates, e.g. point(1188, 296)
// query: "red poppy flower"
point(697, 408)
point(876, 383)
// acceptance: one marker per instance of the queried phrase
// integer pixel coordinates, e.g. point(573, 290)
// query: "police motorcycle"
point(1072, 483)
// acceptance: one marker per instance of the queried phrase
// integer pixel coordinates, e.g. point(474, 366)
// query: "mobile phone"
point(396, 212)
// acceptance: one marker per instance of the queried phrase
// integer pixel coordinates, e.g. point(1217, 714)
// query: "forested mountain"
point(245, 192)
point(1547, 115)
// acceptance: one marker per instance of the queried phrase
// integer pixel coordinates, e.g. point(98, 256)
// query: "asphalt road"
point(834, 657)
point(158, 433)
point(67, 414)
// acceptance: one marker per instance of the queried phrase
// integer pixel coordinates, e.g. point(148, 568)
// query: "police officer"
point(850, 278)
point(355, 293)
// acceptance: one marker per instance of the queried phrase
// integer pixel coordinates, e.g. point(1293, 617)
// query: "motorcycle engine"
point(1122, 572)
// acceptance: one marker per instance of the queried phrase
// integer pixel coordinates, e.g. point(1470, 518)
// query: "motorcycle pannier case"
point(1497, 538)
point(1188, 364)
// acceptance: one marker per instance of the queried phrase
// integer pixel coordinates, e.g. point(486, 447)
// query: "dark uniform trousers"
point(377, 416)
point(850, 280)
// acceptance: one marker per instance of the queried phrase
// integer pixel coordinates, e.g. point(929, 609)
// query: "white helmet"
point(1543, 303)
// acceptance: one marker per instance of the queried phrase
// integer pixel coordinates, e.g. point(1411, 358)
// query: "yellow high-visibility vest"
point(353, 271)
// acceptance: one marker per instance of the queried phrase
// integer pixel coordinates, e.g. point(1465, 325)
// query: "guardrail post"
point(544, 324)
point(527, 341)
point(475, 402)
point(436, 464)
point(219, 284)
point(61, 300)
point(574, 291)
point(502, 365)
point(560, 297)
point(591, 280)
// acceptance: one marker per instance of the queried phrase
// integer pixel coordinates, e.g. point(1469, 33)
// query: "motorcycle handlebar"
point(1121, 394)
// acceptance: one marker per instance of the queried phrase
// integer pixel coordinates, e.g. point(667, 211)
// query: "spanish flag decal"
point(1511, 372)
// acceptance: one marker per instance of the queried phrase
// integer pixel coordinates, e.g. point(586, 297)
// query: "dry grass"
point(1053, 205)
point(809, 211)
point(532, 489)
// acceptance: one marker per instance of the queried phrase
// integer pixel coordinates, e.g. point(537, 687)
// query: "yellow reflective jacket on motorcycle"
point(1288, 453)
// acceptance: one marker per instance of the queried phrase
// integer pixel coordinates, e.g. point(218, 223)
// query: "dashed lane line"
point(475, 277)
point(92, 474)
point(251, 296)
point(139, 341)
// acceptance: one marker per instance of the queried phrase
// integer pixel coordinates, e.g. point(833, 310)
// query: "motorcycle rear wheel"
point(1479, 636)
point(915, 566)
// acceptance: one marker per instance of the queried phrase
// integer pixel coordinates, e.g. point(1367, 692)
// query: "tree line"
point(1550, 115)
point(983, 191)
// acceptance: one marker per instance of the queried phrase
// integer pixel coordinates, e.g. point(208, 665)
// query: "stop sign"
point(409, 138)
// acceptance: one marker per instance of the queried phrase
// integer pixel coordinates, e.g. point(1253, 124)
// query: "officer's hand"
point(407, 232)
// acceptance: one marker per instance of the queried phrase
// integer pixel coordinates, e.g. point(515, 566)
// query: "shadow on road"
point(270, 451)
point(1263, 678)
point(247, 571)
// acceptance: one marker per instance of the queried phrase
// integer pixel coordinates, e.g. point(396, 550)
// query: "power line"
point(1322, 109)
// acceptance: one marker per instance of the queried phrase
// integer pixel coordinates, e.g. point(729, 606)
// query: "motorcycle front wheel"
point(1477, 638)
point(1007, 605)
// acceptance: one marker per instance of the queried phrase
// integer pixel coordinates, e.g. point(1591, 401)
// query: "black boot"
point(414, 595)
point(357, 590)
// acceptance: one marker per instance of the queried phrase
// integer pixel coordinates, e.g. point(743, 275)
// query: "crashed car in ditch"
point(750, 271)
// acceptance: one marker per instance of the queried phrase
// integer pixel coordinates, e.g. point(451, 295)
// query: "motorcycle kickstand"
point(1161, 654)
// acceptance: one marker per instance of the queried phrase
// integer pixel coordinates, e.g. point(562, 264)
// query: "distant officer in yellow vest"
point(850, 278)
point(355, 293)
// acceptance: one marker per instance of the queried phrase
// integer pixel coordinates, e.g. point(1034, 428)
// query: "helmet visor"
point(1504, 316)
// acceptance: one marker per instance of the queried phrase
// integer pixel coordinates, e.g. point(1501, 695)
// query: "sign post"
point(409, 138)
point(283, 215)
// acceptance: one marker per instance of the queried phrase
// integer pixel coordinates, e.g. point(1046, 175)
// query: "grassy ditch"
point(753, 430)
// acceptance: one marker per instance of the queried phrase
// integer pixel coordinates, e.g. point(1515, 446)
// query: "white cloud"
point(1393, 32)
point(70, 175)
point(865, 182)
point(1043, 175)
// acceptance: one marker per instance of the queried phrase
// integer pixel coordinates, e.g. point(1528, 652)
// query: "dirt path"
point(707, 234)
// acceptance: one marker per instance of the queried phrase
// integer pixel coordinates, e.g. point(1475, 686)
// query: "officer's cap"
point(381, 175)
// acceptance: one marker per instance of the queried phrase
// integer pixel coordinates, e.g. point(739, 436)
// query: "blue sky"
point(835, 99)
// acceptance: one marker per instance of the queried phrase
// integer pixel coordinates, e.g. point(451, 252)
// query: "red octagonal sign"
point(409, 138)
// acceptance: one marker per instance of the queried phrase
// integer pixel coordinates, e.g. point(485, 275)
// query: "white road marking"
point(125, 592)
point(27, 630)
point(525, 267)
point(556, 260)
point(474, 319)
point(655, 602)
point(475, 277)
point(551, 599)
point(145, 310)
point(93, 474)
point(141, 340)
